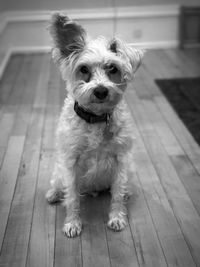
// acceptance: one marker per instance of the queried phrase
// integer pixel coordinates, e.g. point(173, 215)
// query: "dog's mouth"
point(96, 100)
point(100, 101)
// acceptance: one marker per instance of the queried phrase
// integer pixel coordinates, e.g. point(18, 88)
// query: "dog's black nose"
point(101, 92)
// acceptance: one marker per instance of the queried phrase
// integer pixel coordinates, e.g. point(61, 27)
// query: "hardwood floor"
point(164, 212)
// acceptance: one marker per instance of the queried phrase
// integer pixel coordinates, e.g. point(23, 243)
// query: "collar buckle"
point(108, 119)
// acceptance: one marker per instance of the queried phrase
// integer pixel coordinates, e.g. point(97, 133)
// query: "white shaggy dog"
point(94, 135)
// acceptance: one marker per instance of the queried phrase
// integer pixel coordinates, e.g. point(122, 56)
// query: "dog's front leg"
point(64, 188)
point(117, 215)
point(72, 225)
point(71, 201)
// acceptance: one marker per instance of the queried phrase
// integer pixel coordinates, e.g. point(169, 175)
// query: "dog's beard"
point(84, 95)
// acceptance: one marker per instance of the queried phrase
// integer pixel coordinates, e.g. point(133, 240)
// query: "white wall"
point(8, 5)
point(150, 26)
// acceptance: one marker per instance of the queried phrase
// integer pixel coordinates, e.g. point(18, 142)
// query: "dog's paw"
point(72, 228)
point(117, 223)
point(53, 196)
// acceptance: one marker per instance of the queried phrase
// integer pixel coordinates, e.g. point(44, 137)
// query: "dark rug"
point(184, 96)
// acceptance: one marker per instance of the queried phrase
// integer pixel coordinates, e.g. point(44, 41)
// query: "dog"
point(94, 134)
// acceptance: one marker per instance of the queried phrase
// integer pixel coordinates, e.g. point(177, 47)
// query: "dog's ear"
point(127, 51)
point(68, 36)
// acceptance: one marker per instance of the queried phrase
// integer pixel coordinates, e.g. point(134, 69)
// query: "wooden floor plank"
point(16, 240)
point(8, 177)
point(187, 173)
point(8, 80)
point(15, 86)
point(68, 252)
point(94, 240)
point(176, 193)
point(14, 98)
point(166, 59)
point(6, 125)
point(42, 87)
point(42, 236)
point(122, 248)
point(147, 82)
point(24, 102)
point(158, 69)
point(147, 244)
point(171, 239)
point(185, 139)
point(189, 177)
point(186, 65)
point(178, 197)
point(171, 143)
point(52, 110)
point(15, 245)
point(2, 154)
point(183, 166)
point(193, 54)
point(162, 129)
point(6, 131)
point(162, 214)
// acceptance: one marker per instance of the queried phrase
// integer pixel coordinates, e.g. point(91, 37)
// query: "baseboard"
point(148, 11)
point(156, 45)
point(30, 49)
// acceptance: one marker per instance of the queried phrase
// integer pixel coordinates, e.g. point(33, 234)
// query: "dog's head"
point(96, 71)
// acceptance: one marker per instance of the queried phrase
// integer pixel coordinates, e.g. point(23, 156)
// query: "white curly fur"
point(98, 156)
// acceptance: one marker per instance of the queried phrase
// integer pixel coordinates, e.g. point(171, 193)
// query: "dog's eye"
point(84, 70)
point(112, 69)
point(113, 73)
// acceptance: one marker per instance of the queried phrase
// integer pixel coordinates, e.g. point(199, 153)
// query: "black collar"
point(89, 116)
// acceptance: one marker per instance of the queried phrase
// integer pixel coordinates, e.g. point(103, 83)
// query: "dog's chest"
point(97, 162)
